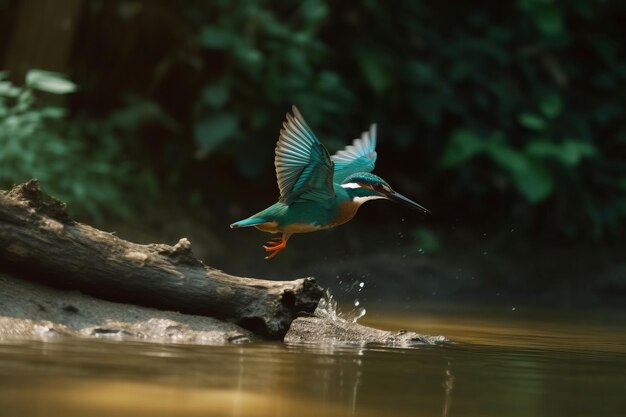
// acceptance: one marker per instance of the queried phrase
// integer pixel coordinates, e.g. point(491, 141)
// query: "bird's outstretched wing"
point(358, 157)
point(303, 167)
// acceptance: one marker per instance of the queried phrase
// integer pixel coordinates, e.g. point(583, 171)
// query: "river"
point(499, 362)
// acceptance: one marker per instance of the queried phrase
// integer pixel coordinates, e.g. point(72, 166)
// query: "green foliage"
point(269, 63)
point(93, 179)
point(518, 104)
point(527, 168)
point(464, 85)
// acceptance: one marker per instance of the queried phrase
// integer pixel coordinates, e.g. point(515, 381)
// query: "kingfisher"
point(319, 191)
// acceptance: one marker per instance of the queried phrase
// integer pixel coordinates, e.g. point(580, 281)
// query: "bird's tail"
point(250, 221)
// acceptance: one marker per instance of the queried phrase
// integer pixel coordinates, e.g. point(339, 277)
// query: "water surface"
point(499, 365)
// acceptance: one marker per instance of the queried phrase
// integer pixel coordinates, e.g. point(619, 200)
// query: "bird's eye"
point(379, 187)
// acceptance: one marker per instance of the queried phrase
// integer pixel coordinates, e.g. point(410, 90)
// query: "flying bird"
point(319, 191)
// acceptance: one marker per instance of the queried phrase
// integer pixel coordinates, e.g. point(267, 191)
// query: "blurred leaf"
point(569, 152)
point(551, 105)
point(375, 69)
point(215, 37)
point(421, 73)
point(575, 149)
point(534, 181)
point(211, 132)
point(463, 145)
point(50, 82)
point(8, 90)
point(53, 112)
point(549, 19)
point(250, 57)
point(531, 121)
point(138, 112)
point(314, 10)
point(531, 178)
point(216, 95)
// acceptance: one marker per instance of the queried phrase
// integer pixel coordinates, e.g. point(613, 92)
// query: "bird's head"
point(364, 186)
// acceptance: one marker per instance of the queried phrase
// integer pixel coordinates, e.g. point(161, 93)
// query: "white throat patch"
point(361, 200)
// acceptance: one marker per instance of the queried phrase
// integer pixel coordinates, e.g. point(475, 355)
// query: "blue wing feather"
point(304, 169)
point(360, 156)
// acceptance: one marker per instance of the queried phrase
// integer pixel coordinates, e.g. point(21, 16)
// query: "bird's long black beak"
point(399, 198)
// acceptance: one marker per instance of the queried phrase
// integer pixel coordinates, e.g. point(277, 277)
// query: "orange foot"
point(276, 245)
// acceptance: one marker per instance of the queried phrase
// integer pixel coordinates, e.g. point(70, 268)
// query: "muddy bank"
point(30, 310)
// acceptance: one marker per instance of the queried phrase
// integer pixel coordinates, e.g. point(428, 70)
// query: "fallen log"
point(40, 242)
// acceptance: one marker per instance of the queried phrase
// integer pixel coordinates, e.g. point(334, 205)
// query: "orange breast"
point(271, 227)
point(345, 213)
point(302, 228)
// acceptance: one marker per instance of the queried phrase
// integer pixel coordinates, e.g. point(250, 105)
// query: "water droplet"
point(356, 303)
point(514, 308)
point(484, 253)
point(512, 230)
point(358, 314)
point(361, 284)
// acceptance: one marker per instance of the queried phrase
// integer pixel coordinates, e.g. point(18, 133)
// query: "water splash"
point(327, 308)
point(357, 314)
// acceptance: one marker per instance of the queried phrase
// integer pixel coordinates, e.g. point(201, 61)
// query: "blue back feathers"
point(358, 157)
point(303, 166)
point(304, 169)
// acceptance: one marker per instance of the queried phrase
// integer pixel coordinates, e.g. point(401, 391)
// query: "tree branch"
point(40, 242)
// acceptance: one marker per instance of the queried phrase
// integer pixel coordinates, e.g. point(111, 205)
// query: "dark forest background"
point(157, 119)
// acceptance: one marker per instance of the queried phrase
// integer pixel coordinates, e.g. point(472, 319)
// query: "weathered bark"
point(39, 242)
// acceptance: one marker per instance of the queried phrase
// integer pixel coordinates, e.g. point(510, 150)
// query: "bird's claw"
point(273, 243)
point(274, 246)
point(270, 256)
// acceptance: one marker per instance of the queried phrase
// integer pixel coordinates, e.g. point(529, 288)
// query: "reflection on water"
point(448, 385)
point(550, 374)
